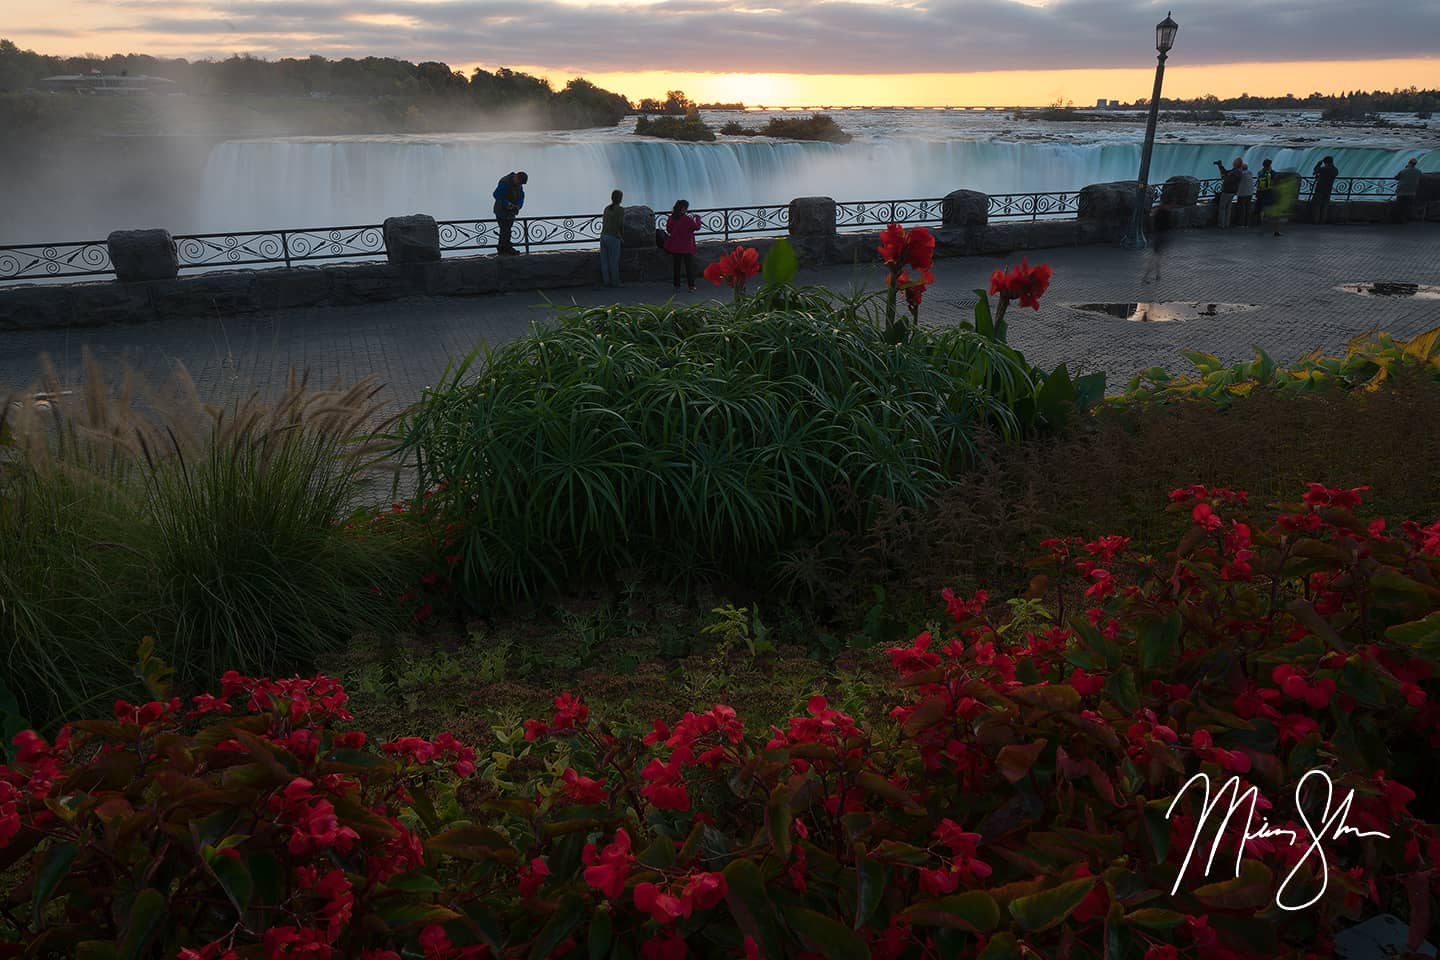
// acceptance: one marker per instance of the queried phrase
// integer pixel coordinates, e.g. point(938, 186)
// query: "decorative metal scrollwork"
point(87, 259)
point(336, 243)
point(204, 250)
point(1033, 206)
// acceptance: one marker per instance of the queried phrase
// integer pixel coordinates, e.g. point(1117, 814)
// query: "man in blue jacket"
point(509, 198)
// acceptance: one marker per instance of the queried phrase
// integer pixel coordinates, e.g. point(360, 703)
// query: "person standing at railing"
point(1407, 186)
point(680, 230)
point(1229, 184)
point(1265, 192)
point(612, 237)
point(1325, 173)
point(1246, 194)
point(509, 198)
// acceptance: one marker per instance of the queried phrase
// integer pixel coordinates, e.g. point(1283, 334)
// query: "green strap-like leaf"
point(780, 264)
point(145, 916)
point(871, 878)
point(983, 324)
point(974, 910)
point(826, 937)
point(53, 868)
point(750, 905)
point(1043, 910)
point(562, 921)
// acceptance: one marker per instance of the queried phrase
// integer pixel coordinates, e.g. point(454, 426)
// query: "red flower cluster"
point(569, 714)
point(1024, 757)
point(319, 699)
point(901, 248)
point(734, 268)
point(607, 870)
point(446, 748)
point(1024, 283)
point(668, 903)
point(311, 819)
point(582, 790)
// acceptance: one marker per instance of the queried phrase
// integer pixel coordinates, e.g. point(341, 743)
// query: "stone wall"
point(1106, 212)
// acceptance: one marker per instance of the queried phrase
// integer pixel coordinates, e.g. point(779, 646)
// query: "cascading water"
point(266, 184)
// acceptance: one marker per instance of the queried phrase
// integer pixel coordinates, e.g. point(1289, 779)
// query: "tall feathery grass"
point(696, 439)
point(223, 531)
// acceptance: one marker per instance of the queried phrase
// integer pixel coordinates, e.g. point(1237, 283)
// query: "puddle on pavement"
point(1393, 288)
point(1166, 312)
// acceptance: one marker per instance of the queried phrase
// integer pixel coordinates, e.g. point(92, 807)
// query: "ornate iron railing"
point(43, 260)
point(279, 246)
point(1357, 188)
point(367, 241)
point(1034, 206)
point(879, 213)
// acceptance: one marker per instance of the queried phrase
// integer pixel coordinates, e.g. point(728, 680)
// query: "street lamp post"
point(1165, 32)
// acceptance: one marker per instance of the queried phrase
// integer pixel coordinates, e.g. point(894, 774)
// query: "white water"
point(294, 182)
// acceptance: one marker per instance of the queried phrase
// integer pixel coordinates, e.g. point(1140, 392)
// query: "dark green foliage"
point(698, 438)
point(223, 532)
point(689, 128)
point(816, 127)
point(315, 94)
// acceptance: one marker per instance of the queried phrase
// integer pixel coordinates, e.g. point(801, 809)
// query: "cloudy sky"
point(797, 51)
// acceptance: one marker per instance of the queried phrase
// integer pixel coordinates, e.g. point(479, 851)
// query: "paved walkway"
point(1292, 281)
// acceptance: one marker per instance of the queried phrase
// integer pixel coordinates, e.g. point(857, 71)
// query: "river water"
point(213, 184)
point(253, 184)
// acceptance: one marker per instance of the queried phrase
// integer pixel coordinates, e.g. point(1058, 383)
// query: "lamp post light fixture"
point(1165, 32)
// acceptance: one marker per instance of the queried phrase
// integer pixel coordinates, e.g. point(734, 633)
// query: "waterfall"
point(268, 184)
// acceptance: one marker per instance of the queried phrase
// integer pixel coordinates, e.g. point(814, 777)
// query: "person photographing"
point(509, 198)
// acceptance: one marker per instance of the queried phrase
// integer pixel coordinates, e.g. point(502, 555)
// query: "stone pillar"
point(412, 239)
point(140, 255)
point(965, 208)
point(1107, 210)
point(1181, 191)
point(639, 228)
point(812, 217)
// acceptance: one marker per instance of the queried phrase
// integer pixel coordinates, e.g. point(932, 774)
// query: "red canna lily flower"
point(734, 268)
point(1024, 283)
point(900, 247)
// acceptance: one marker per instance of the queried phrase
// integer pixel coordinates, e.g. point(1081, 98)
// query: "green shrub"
point(1369, 361)
point(697, 438)
point(816, 127)
point(221, 531)
point(69, 587)
point(689, 128)
point(253, 564)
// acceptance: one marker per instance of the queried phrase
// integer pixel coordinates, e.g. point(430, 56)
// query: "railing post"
point(285, 246)
point(726, 214)
point(525, 230)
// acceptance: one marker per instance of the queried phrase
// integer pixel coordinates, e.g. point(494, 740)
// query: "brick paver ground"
point(1292, 281)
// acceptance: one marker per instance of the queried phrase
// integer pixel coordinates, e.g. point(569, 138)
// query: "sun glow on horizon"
point(1009, 87)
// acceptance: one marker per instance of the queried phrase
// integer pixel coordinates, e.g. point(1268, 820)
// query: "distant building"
point(1101, 104)
point(118, 85)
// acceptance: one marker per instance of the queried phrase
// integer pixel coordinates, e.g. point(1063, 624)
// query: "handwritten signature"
point(1332, 827)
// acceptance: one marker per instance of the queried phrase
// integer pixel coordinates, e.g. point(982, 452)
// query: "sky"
point(798, 52)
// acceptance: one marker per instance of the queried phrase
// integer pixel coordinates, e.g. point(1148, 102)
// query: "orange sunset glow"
point(1015, 87)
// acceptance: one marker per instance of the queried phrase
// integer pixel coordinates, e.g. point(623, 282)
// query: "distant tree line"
point(428, 85)
point(1351, 103)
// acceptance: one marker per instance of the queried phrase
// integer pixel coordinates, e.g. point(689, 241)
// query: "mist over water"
point(253, 185)
point(206, 183)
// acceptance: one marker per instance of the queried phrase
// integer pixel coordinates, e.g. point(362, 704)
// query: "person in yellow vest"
point(1265, 193)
